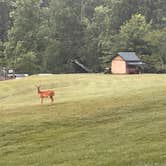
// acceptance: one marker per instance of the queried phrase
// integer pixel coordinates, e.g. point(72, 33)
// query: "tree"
point(157, 40)
point(67, 31)
point(26, 63)
point(98, 37)
point(1, 51)
point(22, 37)
point(4, 20)
point(55, 32)
point(131, 35)
point(122, 10)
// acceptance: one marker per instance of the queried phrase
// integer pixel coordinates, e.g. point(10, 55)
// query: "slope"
point(98, 120)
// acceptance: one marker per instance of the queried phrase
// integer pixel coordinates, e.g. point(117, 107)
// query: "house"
point(126, 63)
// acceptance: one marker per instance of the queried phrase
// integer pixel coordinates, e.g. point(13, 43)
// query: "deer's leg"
point(41, 100)
point(52, 99)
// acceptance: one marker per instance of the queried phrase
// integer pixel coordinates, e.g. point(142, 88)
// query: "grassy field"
point(96, 120)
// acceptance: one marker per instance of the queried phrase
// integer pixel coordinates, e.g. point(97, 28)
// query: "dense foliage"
point(46, 35)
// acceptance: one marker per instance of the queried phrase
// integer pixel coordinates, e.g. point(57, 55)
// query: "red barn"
point(126, 63)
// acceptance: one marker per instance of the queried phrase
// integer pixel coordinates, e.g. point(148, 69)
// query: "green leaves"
point(27, 62)
point(157, 40)
point(22, 36)
point(132, 33)
point(91, 31)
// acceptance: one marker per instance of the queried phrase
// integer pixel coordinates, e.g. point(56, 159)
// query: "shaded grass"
point(98, 120)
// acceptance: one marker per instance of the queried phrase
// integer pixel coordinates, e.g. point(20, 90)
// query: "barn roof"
point(129, 56)
point(135, 63)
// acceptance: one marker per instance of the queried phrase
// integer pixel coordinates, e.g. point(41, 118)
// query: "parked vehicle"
point(6, 74)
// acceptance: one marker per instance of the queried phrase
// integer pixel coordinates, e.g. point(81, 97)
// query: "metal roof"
point(135, 63)
point(129, 56)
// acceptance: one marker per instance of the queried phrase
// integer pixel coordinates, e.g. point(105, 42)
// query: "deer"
point(45, 94)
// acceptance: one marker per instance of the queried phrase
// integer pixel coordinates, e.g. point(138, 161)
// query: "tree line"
point(46, 35)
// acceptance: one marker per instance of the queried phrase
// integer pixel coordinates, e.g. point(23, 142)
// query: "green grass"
point(96, 120)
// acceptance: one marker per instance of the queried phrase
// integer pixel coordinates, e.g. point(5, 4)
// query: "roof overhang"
point(135, 63)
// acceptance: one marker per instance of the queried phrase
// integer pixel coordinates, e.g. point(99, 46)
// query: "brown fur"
point(45, 94)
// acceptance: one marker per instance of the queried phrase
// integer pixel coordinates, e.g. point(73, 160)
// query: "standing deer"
point(45, 94)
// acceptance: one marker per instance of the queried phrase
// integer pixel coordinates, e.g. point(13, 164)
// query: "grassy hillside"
point(96, 120)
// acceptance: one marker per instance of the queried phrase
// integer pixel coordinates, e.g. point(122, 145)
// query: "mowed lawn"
point(96, 120)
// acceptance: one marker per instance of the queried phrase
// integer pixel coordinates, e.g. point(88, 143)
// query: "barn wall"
point(118, 66)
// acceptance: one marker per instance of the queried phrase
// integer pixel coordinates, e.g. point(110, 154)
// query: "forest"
point(44, 36)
